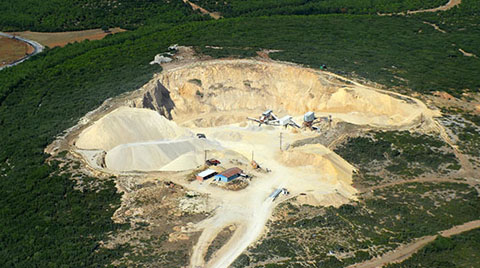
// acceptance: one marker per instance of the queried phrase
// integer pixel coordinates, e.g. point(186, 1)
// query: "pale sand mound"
point(330, 168)
point(159, 156)
point(318, 156)
point(332, 199)
point(129, 125)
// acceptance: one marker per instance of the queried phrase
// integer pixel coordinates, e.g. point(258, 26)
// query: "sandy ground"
point(214, 98)
point(12, 50)
point(327, 174)
point(61, 39)
point(129, 125)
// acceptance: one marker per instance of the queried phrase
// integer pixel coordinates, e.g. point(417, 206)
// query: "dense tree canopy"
point(67, 15)
point(47, 223)
point(234, 8)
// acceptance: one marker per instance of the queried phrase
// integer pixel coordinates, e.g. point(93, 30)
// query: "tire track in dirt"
point(404, 252)
point(467, 167)
point(431, 179)
point(435, 27)
point(451, 4)
point(215, 15)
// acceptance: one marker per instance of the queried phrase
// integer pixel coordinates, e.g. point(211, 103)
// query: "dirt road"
point(244, 237)
point(404, 252)
point(214, 15)
point(431, 179)
point(451, 4)
point(250, 208)
point(435, 27)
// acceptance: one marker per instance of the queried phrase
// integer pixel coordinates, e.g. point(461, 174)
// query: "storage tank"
point(309, 117)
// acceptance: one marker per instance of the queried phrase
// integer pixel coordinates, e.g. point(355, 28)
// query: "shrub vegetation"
point(47, 223)
point(235, 8)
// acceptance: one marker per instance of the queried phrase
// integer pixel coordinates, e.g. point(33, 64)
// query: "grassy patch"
point(397, 155)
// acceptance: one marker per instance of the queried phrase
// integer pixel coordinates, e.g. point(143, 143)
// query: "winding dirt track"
point(432, 179)
point(214, 15)
point(451, 4)
point(404, 252)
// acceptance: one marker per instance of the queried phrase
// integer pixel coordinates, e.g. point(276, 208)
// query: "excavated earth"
point(153, 130)
point(220, 92)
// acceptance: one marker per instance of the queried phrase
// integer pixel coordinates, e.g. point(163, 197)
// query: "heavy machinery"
point(277, 192)
point(212, 162)
point(266, 118)
point(269, 118)
point(287, 121)
point(309, 120)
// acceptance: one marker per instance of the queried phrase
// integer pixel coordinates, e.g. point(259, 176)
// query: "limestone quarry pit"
point(154, 130)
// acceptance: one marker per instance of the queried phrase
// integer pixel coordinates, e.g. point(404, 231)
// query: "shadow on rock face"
point(159, 100)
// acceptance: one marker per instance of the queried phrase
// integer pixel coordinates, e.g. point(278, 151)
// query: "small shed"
point(228, 175)
point(206, 174)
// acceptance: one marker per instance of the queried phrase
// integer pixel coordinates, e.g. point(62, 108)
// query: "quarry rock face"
point(170, 125)
point(157, 133)
point(157, 98)
point(238, 86)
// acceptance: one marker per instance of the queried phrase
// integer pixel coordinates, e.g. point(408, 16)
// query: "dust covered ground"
point(61, 39)
point(148, 137)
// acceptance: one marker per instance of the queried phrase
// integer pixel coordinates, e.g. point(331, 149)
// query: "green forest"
point(70, 15)
point(46, 222)
point(235, 8)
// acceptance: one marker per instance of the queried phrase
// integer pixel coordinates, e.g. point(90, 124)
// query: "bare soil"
point(12, 50)
point(63, 38)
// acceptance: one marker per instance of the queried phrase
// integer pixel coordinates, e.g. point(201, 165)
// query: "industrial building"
point(228, 175)
point(206, 174)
